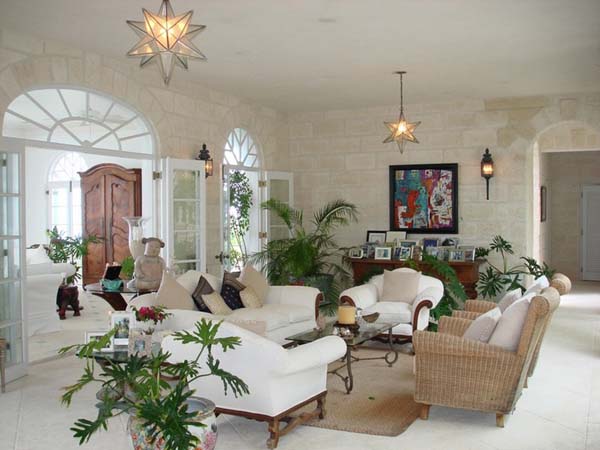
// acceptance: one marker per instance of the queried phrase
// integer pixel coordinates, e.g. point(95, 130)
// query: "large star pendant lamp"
point(401, 131)
point(166, 38)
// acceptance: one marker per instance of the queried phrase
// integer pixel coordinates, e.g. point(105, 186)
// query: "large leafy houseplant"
point(308, 256)
point(67, 249)
point(506, 275)
point(137, 386)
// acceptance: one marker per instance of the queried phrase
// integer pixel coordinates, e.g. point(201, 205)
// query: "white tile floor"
point(560, 410)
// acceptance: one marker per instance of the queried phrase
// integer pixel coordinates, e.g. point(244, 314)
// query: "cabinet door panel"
point(94, 224)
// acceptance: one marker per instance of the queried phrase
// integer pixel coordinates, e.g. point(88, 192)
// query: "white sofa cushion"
point(509, 298)
point(251, 277)
point(391, 311)
point(272, 318)
point(190, 279)
point(400, 286)
point(173, 295)
point(508, 330)
point(37, 256)
point(293, 313)
point(39, 269)
point(482, 328)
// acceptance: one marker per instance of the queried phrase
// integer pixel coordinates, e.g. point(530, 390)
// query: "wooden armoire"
point(109, 192)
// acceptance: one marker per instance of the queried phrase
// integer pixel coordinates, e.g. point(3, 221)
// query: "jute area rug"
point(381, 402)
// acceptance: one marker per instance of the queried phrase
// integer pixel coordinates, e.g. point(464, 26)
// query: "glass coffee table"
point(366, 332)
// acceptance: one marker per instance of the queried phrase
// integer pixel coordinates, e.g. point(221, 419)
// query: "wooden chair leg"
point(500, 420)
point(321, 407)
point(425, 412)
point(526, 382)
point(273, 440)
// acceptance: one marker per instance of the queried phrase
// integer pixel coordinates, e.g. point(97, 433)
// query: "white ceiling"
point(330, 54)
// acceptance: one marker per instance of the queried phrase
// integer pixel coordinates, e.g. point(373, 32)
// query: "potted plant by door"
point(310, 257)
point(164, 413)
point(66, 249)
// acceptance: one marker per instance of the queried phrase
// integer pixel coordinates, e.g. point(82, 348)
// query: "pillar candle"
point(347, 315)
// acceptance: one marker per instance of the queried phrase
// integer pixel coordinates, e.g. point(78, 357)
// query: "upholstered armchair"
point(461, 373)
point(412, 316)
point(280, 380)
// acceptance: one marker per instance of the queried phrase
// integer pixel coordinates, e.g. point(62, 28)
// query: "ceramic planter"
point(207, 435)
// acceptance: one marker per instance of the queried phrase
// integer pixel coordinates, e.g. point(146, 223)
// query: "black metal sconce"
point(487, 171)
point(204, 155)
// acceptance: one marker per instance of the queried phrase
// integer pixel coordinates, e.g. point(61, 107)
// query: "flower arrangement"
point(154, 314)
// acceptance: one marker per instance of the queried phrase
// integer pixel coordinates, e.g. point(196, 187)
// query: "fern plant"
point(308, 256)
point(137, 386)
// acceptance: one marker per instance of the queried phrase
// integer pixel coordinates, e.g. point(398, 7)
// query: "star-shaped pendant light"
point(166, 38)
point(401, 131)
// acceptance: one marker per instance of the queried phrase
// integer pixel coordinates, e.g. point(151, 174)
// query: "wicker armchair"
point(461, 373)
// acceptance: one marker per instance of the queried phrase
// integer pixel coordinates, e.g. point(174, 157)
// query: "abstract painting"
point(424, 198)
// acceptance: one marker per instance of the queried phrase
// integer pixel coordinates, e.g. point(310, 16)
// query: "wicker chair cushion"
point(507, 333)
point(509, 298)
point(482, 328)
point(400, 286)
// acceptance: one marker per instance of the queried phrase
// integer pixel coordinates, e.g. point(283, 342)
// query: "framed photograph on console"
point(376, 237)
point(424, 198)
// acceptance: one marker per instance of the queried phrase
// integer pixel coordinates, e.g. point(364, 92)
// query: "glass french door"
point(260, 226)
point(184, 206)
point(12, 260)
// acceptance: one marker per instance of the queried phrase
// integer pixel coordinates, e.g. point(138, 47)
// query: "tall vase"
point(207, 435)
point(136, 234)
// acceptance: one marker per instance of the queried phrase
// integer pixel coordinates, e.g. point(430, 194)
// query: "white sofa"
point(287, 310)
point(43, 278)
point(280, 380)
point(412, 316)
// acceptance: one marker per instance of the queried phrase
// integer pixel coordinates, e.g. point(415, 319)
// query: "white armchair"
point(412, 316)
point(40, 292)
point(280, 380)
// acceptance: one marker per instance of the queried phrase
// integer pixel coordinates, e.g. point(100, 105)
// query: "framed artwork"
point(424, 198)
point(140, 344)
point(432, 251)
point(383, 253)
point(97, 335)
point(123, 321)
point(543, 203)
point(456, 255)
point(404, 253)
point(393, 236)
point(430, 242)
point(356, 252)
point(469, 252)
point(376, 237)
point(408, 243)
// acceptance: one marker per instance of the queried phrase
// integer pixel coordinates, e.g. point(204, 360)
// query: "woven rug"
point(381, 402)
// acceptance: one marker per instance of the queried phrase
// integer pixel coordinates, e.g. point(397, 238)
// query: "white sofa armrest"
point(321, 352)
point(292, 295)
point(424, 302)
point(143, 300)
point(361, 296)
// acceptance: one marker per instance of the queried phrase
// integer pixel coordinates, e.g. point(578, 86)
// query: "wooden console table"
point(467, 272)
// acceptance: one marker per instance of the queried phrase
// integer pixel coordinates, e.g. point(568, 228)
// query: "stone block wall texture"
point(184, 116)
point(568, 172)
point(340, 154)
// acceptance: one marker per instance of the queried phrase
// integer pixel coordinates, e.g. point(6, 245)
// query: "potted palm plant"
point(310, 257)
point(164, 413)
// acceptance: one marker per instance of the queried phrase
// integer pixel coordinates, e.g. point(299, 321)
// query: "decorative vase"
point(136, 234)
point(207, 435)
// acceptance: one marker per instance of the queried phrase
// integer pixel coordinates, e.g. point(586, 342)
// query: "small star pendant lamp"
point(401, 131)
point(166, 38)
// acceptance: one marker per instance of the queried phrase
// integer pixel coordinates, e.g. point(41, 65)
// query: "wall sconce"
point(487, 171)
point(204, 155)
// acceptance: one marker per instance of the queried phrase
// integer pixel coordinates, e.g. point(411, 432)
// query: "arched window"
point(241, 150)
point(64, 194)
point(77, 117)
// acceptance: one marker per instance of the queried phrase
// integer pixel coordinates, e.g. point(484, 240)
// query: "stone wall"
point(340, 154)
point(183, 116)
point(568, 172)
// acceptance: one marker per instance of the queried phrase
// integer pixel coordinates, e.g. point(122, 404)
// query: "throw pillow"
point(509, 298)
point(189, 280)
point(172, 295)
point(250, 299)
point(538, 285)
point(256, 280)
point(482, 328)
point(230, 291)
point(216, 304)
point(400, 286)
point(508, 331)
point(202, 288)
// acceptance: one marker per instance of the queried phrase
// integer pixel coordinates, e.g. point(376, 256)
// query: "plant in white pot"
point(164, 412)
